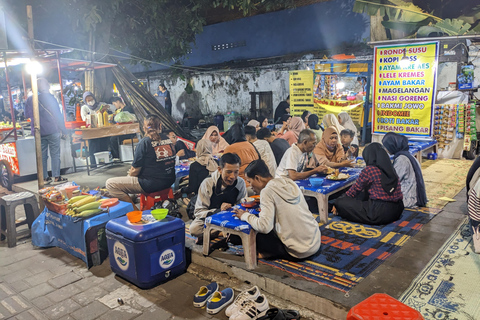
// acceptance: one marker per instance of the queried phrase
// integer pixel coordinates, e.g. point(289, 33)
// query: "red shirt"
point(369, 180)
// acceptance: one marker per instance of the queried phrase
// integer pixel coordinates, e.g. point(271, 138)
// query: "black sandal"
point(278, 314)
point(59, 180)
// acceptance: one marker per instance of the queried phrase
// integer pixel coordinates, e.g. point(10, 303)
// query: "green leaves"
point(453, 27)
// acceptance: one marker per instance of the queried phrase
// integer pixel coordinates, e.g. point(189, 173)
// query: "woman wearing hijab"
point(254, 123)
point(218, 142)
point(296, 125)
point(202, 167)
point(346, 121)
point(408, 170)
point(282, 108)
point(329, 120)
point(305, 116)
point(330, 152)
point(263, 122)
point(313, 125)
point(244, 149)
point(376, 197)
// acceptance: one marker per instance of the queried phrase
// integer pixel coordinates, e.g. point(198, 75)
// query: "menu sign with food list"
point(301, 92)
point(404, 91)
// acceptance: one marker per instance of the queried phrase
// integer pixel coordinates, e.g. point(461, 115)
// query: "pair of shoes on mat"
point(278, 314)
point(214, 299)
point(249, 305)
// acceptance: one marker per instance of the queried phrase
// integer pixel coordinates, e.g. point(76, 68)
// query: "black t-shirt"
point(180, 145)
point(157, 160)
point(279, 146)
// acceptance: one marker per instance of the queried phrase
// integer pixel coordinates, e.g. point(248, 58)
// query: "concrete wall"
point(224, 91)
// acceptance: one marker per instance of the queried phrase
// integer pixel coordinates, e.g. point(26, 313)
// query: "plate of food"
point(250, 202)
point(337, 175)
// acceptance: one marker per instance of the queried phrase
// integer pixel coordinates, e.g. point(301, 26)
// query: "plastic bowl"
point(316, 182)
point(134, 216)
point(159, 214)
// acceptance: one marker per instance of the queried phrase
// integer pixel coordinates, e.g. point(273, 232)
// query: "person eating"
point(291, 135)
point(280, 234)
point(376, 197)
point(408, 170)
point(218, 142)
point(299, 162)
point(330, 152)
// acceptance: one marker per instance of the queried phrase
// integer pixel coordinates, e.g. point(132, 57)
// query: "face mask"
point(91, 103)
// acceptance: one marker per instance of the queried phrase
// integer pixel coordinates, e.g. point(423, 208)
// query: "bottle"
point(105, 119)
point(99, 119)
point(78, 114)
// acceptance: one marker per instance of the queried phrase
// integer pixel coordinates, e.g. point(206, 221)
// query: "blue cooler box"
point(149, 252)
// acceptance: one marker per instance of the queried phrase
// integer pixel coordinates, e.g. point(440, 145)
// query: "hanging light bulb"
point(405, 61)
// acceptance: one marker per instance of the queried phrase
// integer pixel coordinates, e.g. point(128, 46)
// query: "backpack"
point(172, 207)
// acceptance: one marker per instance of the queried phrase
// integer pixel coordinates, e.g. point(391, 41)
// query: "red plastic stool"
point(148, 200)
point(381, 306)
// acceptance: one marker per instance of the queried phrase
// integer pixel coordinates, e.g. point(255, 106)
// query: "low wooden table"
point(84, 135)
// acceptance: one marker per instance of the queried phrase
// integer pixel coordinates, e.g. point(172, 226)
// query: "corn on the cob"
point(88, 213)
point(82, 202)
point(77, 198)
point(88, 206)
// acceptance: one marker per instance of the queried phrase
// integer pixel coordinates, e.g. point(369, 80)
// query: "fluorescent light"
point(340, 85)
point(34, 67)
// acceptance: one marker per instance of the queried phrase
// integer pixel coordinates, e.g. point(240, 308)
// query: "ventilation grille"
point(230, 45)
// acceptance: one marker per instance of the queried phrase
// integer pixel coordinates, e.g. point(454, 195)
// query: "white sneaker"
point(249, 294)
point(252, 309)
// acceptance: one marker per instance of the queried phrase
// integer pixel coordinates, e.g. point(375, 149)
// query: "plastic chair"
point(382, 306)
point(8, 226)
point(148, 200)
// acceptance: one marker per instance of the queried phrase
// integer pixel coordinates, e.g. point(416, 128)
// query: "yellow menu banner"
point(353, 108)
point(301, 92)
point(404, 88)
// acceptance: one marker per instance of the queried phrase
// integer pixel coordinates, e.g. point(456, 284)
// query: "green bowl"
point(159, 214)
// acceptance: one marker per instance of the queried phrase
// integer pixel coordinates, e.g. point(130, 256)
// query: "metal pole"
point(36, 112)
point(61, 87)
point(9, 88)
point(366, 105)
point(25, 95)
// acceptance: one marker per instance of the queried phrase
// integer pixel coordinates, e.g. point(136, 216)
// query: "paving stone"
point(113, 284)
point(19, 286)
point(31, 314)
point(130, 297)
point(42, 302)
point(25, 254)
point(154, 313)
point(19, 274)
point(13, 305)
point(64, 279)
point(123, 313)
point(67, 317)
point(5, 261)
point(46, 264)
point(63, 293)
point(88, 283)
point(61, 309)
point(92, 294)
point(37, 291)
point(5, 291)
point(38, 278)
point(91, 311)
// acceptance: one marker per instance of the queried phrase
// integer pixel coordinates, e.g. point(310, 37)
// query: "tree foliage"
point(157, 30)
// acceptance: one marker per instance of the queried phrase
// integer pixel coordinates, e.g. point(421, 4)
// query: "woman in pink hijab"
point(218, 143)
point(291, 135)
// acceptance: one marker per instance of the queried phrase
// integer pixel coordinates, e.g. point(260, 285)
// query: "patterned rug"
point(351, 251)
point(448, 288)
point(444, 178)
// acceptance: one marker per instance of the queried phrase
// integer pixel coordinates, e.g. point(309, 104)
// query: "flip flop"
point(278, 314)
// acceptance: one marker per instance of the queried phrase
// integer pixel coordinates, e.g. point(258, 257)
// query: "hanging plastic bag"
point(125, 116)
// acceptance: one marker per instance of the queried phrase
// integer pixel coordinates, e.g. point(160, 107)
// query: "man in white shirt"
point(299, 162)
point(286, 228)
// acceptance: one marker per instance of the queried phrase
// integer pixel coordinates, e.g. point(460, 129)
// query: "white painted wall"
point(224, 91)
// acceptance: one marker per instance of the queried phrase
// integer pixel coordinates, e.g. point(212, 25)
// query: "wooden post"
point(36, 112)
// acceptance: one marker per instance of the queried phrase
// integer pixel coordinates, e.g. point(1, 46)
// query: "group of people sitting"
point(258, 160)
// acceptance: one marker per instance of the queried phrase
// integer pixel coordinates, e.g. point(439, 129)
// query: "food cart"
point(17, 150)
